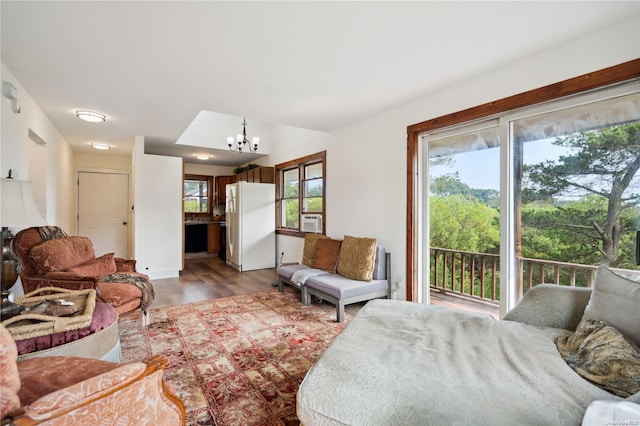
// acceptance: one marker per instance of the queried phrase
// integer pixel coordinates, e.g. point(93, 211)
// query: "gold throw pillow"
point(357, 258)
point(309, 251)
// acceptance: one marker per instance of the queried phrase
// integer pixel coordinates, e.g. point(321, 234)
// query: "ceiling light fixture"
point(202, 156)
point(241, 140)
point(100, 145)
point(90, 116)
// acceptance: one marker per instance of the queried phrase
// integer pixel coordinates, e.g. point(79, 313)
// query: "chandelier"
point(240, 141)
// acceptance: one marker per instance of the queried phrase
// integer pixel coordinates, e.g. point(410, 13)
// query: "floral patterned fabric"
point(237, 360)
point(142, 403)
point(42, 376)
point(9, 378)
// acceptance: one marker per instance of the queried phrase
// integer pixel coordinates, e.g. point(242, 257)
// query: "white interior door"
point(103, 200)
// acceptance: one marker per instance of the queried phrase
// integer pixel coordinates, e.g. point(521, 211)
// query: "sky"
point(481, 169)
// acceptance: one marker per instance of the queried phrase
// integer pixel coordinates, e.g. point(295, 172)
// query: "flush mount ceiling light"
point(91, 116)
point(202, 156)
point(241, 140)
point(100, 145)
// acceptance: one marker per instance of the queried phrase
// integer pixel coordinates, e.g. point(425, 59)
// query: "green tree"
point(463, 223)
point(450, 184)
point(603, 164)
point(552, 232)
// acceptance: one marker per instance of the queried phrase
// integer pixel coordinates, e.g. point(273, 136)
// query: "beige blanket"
point(400, 363)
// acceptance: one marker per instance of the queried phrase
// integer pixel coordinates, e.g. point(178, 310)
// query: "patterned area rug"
point(237, 360)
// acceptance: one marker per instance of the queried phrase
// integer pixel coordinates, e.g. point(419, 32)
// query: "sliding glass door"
point(578, 189)
point(462, 170)
point(542, 194)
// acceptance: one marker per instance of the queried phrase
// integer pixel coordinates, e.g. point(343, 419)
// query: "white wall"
point(289, 143)
point(101, 161)
point(207, 169)
point(14, 142)
point(158, 212)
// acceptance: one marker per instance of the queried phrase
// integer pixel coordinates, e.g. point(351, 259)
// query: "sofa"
point(68, 390)
point(51, 258)
point(556, 354)
point(340, 272)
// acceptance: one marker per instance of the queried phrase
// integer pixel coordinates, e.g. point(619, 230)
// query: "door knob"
point(124, 223)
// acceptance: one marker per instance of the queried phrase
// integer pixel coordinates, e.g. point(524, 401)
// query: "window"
point(197, 195)
point(300, 189)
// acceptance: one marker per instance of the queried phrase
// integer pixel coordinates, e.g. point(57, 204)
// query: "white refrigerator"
point(251, 225)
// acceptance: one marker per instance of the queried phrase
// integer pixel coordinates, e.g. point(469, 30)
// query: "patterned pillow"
point(61, 253)
point(602, 355)
point(357, 257)
point(309, 251)
point(327, 251)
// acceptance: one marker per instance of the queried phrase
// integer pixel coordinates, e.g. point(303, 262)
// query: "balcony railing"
point(477, 275)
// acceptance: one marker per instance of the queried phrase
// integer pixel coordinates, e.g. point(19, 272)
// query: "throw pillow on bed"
point(357, 257)
point(602, 355)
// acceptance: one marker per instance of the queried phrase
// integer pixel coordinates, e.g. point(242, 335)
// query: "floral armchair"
point(50, 258)
point(80, 391)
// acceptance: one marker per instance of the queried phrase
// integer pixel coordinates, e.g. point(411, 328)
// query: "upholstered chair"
point(50, 258)
point(82, 391)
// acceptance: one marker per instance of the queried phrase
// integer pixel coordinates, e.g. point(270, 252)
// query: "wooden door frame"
point(604, 77)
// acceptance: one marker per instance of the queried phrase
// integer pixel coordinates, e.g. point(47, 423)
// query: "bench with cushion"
point(340, 272)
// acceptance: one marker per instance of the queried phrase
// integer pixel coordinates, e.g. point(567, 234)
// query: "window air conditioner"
point(312, 223)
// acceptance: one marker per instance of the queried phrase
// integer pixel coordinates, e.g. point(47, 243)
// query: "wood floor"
point(205, 278)
point(210, 278)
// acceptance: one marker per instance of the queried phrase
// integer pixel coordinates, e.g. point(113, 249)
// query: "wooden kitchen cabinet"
point(221, 188)
point(258, 175)
point(213, 238)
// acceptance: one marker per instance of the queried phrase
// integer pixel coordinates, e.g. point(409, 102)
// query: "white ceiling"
point(152, 66)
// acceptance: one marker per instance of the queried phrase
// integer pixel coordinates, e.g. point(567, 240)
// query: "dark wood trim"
point(290, 232)
point(211, 193)
point(597, 79)
point(306, 159)
point(412, 217)
point(299, 162)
